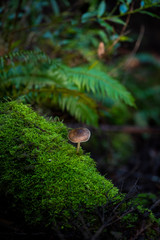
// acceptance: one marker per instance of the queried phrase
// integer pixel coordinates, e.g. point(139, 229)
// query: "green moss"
point(43, 178)
point(142, 217)
point(145, 199)
point(41, 170)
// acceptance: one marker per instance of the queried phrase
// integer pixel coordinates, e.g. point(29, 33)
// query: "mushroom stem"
point(78, 146)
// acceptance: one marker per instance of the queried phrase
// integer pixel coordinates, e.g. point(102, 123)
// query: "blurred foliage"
point(34, 77)
point(140, 73)
point(63, 26)
point(85, 35)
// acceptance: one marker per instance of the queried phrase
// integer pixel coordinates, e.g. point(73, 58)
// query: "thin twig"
point(139, 40)
point(141, 230)
point(137, 10)
point(136, 47)
point(126, 129)
point(133, 52)
point(86, 232)
point(108, 223)
point(155, 204)
point(130, 129)
point(122, 33)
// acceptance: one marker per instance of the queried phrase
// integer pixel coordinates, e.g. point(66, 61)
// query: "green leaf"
point(104, 24)
point(103, 36)
point(96, 81)
point(142, 4)
point(55, 7)
point(101, 9)
point(148, 58)
point(125, 38)
point(117, 20)
point(123, 8)
point(86, 16)
point(150, 14)
point(79, 110)
point(73, 89)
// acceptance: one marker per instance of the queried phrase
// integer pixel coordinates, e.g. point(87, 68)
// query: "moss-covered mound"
point(41, 172)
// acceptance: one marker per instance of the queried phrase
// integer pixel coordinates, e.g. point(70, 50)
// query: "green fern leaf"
point(78, 104)
point(36, 76)
point(99, 82)
point(79, 110)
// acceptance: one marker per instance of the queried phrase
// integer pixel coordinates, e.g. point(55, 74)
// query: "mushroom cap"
point(79, 135)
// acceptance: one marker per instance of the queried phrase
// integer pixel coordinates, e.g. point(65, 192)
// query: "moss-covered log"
point(41, 171)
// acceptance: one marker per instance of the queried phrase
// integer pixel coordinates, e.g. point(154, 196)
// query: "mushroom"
point(79, 135)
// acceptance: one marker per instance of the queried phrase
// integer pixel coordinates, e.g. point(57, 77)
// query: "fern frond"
point(99, 82)
point(81, 96)
point(78, 104)
point(79, 110)
point(32, 73)
point(72, 89)
point(23, 56)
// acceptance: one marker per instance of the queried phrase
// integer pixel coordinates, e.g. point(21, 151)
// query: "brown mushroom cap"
point(79, 135)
